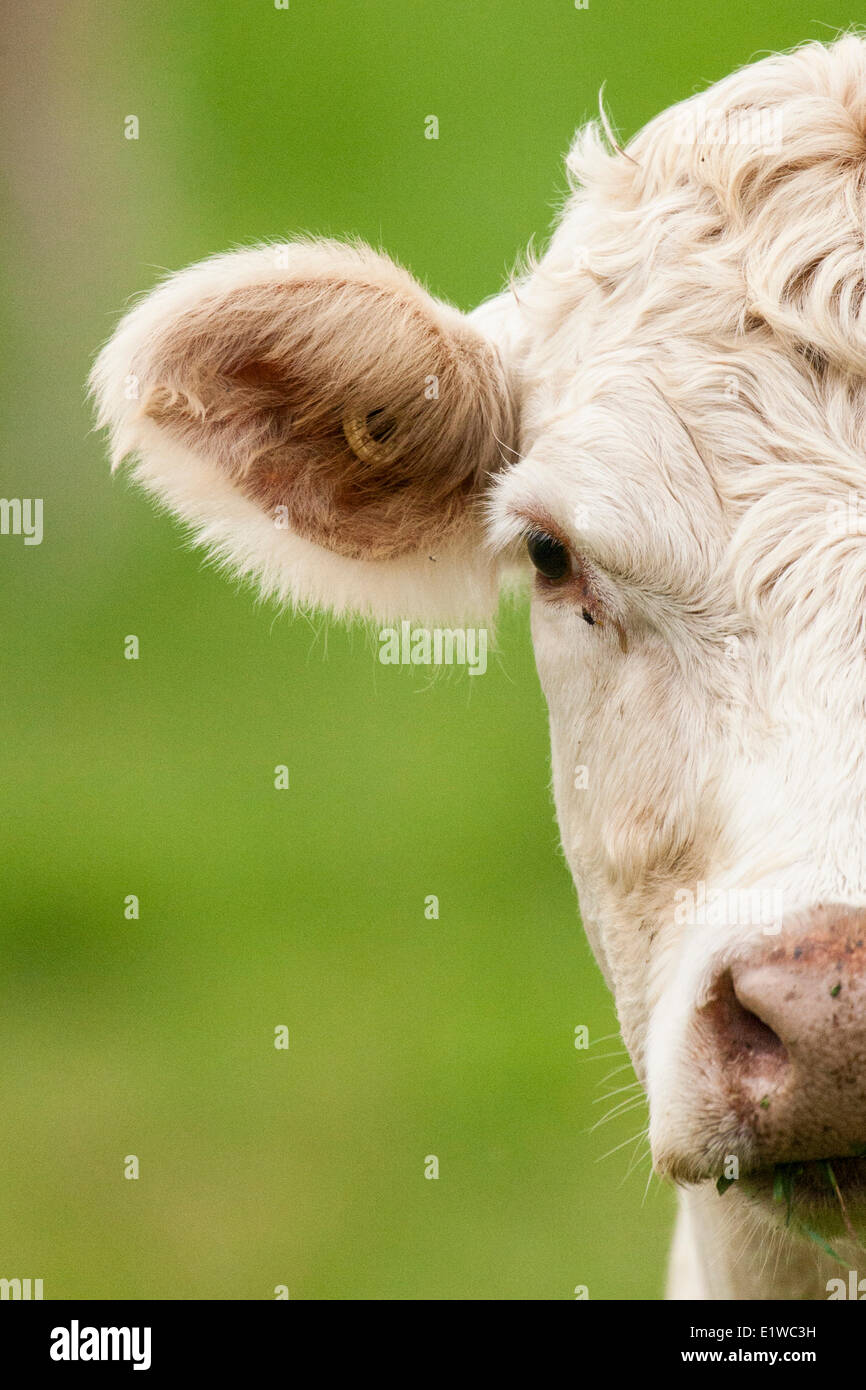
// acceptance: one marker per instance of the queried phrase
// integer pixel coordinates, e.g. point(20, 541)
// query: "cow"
point(660, 425)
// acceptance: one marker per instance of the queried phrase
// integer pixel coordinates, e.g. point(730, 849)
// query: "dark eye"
point(549, 556)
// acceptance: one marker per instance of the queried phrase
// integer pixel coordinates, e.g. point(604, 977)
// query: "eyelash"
point(573, 586)
point(574, 591)
point(574, 583)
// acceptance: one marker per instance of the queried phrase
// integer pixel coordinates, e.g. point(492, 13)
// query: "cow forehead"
point(691, 355)
point(705, 292)
point(741, 477)
point(697, 442)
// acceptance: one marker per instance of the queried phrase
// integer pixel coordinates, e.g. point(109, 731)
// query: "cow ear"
point(323, 424)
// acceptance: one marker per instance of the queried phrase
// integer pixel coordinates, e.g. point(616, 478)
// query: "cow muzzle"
point(776, 1054)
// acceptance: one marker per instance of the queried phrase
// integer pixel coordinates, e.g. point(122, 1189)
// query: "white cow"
point(667, 415)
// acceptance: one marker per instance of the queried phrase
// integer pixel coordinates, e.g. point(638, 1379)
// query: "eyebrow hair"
point(521, 519)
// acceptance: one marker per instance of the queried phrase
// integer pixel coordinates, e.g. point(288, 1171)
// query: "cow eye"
point(549, 556)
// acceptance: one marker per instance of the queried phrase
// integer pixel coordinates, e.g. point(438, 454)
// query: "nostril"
point(740, 1036)
point(750, 1029)
point(775, 1051)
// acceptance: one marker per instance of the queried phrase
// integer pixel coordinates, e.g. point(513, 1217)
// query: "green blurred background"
point(306, 908)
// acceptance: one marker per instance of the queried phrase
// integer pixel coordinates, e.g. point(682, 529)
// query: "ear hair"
point(331, 387)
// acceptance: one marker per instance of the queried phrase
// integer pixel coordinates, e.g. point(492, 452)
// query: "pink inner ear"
point(365, 411)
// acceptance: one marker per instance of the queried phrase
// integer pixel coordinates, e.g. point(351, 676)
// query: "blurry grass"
point(408, 1037)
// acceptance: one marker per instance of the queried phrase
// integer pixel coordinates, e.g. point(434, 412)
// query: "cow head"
point(665, 418)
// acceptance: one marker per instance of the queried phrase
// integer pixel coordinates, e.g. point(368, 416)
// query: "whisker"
point(629, 1086)
point(640, 1133)
point(613, 1073)
point(622, 1109)
point(638, 1158)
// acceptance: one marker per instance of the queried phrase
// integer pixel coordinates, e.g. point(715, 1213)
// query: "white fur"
point(690, 455)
